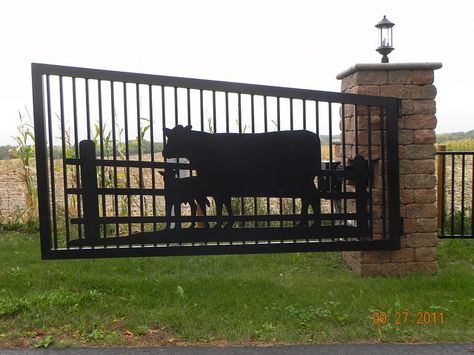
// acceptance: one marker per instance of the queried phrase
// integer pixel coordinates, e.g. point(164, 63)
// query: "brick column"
point(413, 83)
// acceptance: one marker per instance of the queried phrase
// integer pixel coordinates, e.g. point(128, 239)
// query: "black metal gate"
point(106, 190)
point(455, 194)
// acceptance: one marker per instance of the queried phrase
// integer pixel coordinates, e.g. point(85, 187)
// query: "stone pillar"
point(413, 83)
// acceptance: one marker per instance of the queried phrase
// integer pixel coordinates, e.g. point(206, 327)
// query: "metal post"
point(440, 168)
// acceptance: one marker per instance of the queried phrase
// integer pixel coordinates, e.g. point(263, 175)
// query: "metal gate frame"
point(44, 155)
point(454, 221)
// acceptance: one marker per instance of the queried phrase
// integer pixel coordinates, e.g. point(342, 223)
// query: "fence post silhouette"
point(89, 190)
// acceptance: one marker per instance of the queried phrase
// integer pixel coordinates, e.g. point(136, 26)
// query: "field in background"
point(459, 145)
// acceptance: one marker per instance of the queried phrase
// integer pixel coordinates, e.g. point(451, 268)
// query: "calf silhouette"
point(274, 164)
point(183, 190)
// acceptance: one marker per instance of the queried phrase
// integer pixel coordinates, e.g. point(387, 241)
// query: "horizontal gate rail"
point(261, 218)
point(101, 169)
point(455, 194)
point(210, 85)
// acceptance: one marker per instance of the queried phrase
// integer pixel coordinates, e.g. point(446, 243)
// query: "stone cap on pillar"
point(388, 66)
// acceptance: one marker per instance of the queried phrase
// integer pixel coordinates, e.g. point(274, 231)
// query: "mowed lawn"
point(257, 299)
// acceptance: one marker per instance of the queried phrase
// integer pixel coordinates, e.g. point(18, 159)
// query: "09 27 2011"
point(408, 317)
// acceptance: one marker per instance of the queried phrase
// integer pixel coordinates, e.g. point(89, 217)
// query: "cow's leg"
point(309, 196)
point(168, 207)
point(219, 206)
point(316, 205)
point(204, 202)
point(204, 212)
point(193, 207)
point(304, 212)
point(228, 206)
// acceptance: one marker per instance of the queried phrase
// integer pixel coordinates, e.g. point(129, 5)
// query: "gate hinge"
point(402, 232)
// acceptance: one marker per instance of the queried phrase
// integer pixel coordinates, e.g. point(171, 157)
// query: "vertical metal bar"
point(278, 114)
point(304, 114)
point(291, 115)
point(317, 116)
point(76, 153)
point(176, 208)
point(227, 119)
point(239, 109)
point(316, 103)
point(41, 161)
point(201, 103)
point(343, 156)
point(252, 105)
point(227, 112)
point(89, 136)
point(163, 119)
point(293, 202)
point(88, 112)
point(64, 156)
point(51, 163)
point(304, 128)
point(140, 152)
point(369, 165)
point(199, 211)
point(114, 153)
point(369, 134)
point(356, 128)
point(188, 102)
point(443, 193)
point(176, 114)
point(152, 150)
point(214, 117)
point(265, 114)
point(452, 192)
point(472, 197)
point(331, 203)
point(385, 173)
point(330, 134)
point(101, 145)
point(278, 129)
point(127, 154)
point(163, 112)
point(463, 181)
point(265, 127)
point(252, 112)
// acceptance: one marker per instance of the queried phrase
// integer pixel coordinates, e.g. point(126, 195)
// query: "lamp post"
point(385, 38)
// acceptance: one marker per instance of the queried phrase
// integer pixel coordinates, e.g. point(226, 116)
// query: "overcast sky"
point(296, 43)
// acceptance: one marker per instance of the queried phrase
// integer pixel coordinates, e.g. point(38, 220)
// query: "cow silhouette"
point(183, 190)
point(273, 164)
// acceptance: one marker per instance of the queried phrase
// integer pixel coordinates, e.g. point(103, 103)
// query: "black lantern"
point(385, 38)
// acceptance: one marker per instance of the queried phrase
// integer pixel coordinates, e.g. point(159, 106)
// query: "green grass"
point(453, 224)
point(279, 298)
